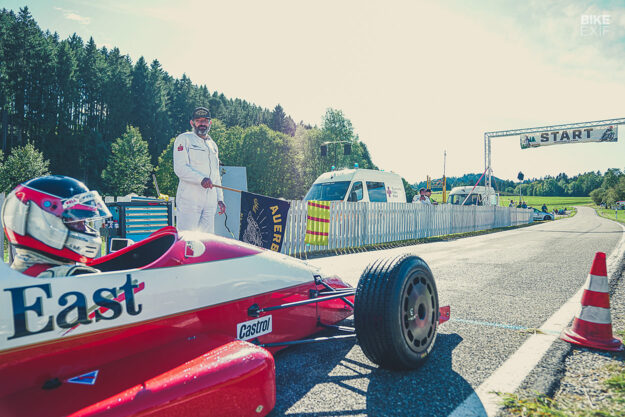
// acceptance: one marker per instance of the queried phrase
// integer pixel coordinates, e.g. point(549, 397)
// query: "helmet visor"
point(83, 207)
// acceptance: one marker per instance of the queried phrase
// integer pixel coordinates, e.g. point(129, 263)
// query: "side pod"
point(204, 375)
point(235, 379)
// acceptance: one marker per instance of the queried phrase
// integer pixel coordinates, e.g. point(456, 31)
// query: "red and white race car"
point(186, 326)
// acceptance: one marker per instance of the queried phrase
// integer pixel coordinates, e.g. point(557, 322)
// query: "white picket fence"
point(357, 224)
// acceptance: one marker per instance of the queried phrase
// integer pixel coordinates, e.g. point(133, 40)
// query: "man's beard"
point(201, 130)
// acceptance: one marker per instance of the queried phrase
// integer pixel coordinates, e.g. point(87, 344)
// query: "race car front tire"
point(396, 312)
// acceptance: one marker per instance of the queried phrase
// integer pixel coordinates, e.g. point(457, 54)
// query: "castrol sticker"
point(254, 328)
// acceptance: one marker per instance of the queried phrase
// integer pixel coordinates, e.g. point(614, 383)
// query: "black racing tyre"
point(396, 312)
point(547, 217)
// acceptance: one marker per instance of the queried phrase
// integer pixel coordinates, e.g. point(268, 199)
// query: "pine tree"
point(117, 95)
point(278, 119)
point(140, 112)
point(156, 103)
point(181, 105)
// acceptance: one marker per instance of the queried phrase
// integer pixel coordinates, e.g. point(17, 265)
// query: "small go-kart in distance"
point(187, 325)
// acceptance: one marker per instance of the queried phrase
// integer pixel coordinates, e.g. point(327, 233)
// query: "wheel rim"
point(419, 320)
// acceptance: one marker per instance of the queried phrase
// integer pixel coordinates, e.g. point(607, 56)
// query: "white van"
point(364, 185)
point(481, 196)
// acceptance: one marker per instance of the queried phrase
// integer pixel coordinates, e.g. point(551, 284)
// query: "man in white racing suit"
point(196, 163)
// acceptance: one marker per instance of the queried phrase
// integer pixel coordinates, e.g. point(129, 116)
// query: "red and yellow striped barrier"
point(317, 223)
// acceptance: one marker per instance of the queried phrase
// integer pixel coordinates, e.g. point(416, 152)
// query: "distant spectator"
point(428, 195)
point(511, 203)
point(524, 205)
point(544, 208)
point(421, 198)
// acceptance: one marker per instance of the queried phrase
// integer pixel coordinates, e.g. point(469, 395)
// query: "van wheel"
point(396, 312)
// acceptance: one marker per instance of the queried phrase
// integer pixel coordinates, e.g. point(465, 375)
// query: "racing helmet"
point(54, 215)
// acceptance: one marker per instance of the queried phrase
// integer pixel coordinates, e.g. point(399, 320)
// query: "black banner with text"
point(263, 220)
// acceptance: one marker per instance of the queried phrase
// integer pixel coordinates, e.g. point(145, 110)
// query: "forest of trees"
point(71, 101)
point(612, 188)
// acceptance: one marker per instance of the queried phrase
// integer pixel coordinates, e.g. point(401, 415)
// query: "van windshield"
point(328, 191)
point(459, 198)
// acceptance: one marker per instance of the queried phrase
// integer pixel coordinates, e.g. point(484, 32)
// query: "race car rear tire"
point(396, 312)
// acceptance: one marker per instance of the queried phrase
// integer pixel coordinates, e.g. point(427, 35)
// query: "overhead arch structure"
point(542, 129)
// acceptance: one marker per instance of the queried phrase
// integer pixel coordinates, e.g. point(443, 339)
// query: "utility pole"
point(444, 177)
point(520, 177)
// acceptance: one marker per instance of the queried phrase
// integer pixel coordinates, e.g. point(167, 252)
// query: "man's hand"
point(207, 183)
point(222, 207)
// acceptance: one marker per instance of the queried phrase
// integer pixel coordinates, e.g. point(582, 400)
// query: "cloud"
point(557, 31)
point(70, 15)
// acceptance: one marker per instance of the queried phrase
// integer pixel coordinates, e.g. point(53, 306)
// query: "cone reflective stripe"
point(318, 223)
point(594, 315)
point(596, 283)
point(592, 325)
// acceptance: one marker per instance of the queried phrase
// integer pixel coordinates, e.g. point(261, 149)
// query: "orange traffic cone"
point(592, 326)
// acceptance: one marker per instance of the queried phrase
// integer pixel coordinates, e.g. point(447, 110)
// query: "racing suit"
point(195, 159)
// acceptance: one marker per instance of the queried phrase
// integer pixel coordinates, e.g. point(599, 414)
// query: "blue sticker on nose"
point(46, 204)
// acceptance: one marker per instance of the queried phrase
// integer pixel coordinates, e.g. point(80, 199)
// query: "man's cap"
point(421, 190)
point(200, 112)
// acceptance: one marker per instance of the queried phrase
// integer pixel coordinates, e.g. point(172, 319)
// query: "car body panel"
point(156, 323)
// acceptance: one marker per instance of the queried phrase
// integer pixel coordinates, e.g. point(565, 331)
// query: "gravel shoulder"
point(574, 376)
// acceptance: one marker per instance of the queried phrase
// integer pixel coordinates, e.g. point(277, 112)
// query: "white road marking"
point(508, 377)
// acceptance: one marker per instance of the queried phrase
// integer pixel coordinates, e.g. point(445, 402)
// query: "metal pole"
point(487, 158)
point(444, 176)
point(471, 192)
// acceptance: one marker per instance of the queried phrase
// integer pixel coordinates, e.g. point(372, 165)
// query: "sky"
point(416, 78)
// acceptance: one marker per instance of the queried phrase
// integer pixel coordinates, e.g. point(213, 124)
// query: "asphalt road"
point(497, 285)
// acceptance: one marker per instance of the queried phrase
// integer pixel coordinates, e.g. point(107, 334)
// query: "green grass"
point(534, 406)
point(551, 202)
point(611, 214)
